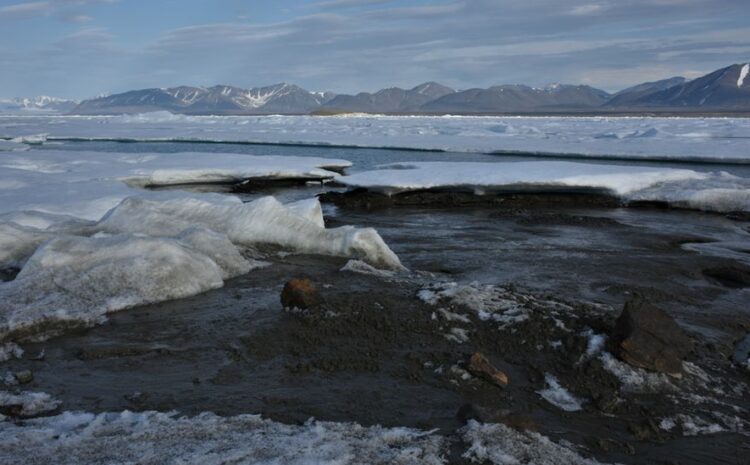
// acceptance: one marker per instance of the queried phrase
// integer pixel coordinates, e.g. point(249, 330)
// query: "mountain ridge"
point(723, 90)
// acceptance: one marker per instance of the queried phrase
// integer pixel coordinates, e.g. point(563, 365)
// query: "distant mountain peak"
point(41, 103)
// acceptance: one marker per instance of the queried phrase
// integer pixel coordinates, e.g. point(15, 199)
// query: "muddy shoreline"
point(375, 353)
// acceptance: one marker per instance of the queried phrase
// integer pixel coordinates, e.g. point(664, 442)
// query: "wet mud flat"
point(394, 349)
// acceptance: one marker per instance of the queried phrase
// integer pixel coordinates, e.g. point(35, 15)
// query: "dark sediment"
point(8, 274)
point(363, 198)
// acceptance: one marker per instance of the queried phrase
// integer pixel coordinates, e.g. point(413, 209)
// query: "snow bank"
point(152, 437)
point(501, 445)
point(696, 139)
point(707, 191)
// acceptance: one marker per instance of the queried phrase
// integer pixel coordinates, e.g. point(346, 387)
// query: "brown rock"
point(647, 337)
point(24, 377)
point(480, 367)
point(301, 294)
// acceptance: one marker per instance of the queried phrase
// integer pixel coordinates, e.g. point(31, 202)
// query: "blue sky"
point(82, 48)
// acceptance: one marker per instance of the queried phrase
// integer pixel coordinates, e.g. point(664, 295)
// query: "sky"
point(83, 48)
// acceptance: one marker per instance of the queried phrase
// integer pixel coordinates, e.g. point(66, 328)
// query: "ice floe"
point(718, 191)
point(696, 139)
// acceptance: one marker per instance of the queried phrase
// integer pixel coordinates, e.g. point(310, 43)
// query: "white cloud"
point(587, 10)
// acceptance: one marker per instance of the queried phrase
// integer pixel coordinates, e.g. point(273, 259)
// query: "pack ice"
point(88, 242)
point(694, 139)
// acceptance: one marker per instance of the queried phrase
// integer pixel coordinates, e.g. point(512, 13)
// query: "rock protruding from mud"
point(301, 294)
point(480, 367)
point(647, 337)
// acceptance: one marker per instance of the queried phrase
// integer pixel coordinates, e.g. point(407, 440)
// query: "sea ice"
point(88, 184)
point(682, 187)
point(692, 139)
point(12, 146)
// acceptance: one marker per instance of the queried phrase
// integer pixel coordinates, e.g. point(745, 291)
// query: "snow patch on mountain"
point(743, 74)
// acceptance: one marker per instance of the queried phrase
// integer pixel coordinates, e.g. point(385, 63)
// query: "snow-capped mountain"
point(633, 94)
point(41, 104)
point(727, 89)
point(391, 100)
point(279, 98)
point(519, 98)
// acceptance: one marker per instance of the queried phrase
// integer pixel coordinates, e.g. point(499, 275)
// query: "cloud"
point(337, 4)
point(25, 10)
point(67, 10)
point(588, 10)
point(354, 45)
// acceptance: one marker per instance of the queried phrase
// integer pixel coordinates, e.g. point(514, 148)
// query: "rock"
point(24, 377)
point(301, 294)
point(11, 410)
point(735, 277)
point(470, 412)
point(647, 337)
point(480, 367)
point(8, 274)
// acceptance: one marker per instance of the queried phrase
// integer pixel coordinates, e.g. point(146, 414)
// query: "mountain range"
point(724, 90)
point(41, 104)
